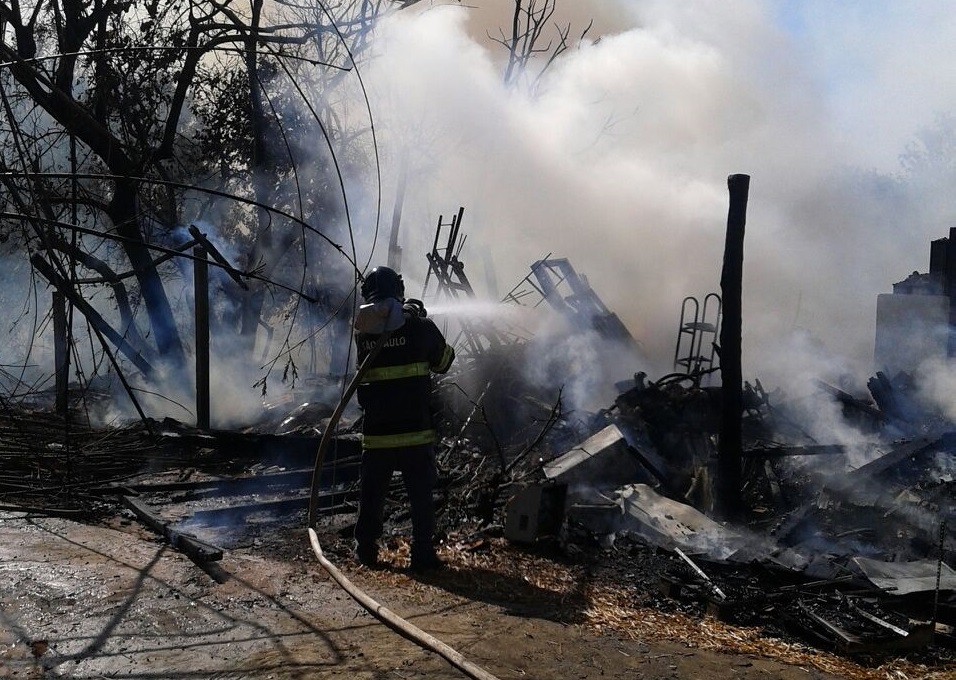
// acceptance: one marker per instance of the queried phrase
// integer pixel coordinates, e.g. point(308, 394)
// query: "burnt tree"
point(123, 123)
point(731, 378)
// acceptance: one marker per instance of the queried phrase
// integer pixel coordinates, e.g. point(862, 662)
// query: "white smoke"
point(26, 356)
point(619, 161)
point(581, 365)
point(936, 381)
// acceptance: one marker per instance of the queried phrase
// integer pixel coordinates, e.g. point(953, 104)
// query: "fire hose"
point(383, 614)
point(395, 622)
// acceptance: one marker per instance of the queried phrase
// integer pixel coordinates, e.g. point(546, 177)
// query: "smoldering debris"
point(837, 541)
point(644, 467)
point(648, 473)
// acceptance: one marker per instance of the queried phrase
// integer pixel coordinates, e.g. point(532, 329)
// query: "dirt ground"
point(115, 601)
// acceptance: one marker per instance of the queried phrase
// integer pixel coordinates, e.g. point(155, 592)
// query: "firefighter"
point(398, 432)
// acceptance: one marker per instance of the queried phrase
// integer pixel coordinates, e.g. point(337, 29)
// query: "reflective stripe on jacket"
point(392, 441)
point(395, 372)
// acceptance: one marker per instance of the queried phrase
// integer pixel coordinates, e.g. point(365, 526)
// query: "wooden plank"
point(894, 457)
point(187, 544)
point(842, 638)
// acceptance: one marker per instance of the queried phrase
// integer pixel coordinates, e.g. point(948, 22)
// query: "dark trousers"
point(417, 465)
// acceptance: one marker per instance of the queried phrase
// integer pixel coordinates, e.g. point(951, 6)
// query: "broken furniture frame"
point(697, 323)
point(555, 281)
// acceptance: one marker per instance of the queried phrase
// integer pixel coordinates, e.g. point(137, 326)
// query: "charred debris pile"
point(850, 546)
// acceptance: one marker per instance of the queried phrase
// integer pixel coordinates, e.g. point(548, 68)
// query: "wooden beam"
point(61, 353)
point(185, 543)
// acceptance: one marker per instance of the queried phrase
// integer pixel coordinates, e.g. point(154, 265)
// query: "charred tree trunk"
point(201, 296)
point(57, 100)
point(122, 211)
point(731, 285)
point(261, 250)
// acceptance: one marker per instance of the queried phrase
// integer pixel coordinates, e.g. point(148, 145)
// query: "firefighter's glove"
point(415, 307)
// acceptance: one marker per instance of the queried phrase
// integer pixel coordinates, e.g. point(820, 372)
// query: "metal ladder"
point(689, 353)
point(451, 283)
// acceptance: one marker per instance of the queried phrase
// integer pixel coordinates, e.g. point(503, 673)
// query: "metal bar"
point(700, 572)
point(939, 571)
point(880, 622)
point(321, 500)
point(394, 250)
point(783, 451)
point(220, 259)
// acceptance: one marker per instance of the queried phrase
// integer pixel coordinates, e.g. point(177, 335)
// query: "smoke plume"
point(618, 160)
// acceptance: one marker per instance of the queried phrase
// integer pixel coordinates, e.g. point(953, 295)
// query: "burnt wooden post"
point(201, 295)
point(949, 288)
point(61, 353)
point(731, 379)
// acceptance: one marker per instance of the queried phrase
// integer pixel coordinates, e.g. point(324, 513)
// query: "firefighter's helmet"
point(382, 283)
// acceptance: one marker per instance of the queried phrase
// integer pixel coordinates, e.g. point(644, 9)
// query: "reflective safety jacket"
point(395, 392)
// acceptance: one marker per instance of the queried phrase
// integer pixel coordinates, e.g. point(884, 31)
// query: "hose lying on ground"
point(395, 622)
